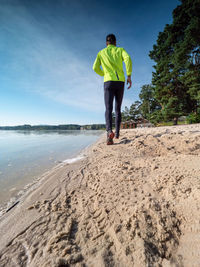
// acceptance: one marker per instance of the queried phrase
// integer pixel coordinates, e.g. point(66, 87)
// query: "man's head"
point(110, 39)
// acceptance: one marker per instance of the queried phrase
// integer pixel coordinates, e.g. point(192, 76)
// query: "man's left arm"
point(96, 66)
point(128, 63)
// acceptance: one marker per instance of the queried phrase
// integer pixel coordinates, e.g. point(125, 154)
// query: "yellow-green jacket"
point(111, 59)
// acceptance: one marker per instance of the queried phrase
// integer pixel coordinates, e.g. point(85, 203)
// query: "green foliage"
point(148, 102)
point(132, 113)
point(156, 117)
point(147, 108)
point(98, 127)
point(193, 118)
point(170, 123)
point(176, 78)
point(135, 111)
point(126, 114)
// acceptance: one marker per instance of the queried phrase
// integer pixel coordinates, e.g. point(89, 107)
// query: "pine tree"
point(126, 114)
point(177, 69)
point(148, 102)
point(135, 111)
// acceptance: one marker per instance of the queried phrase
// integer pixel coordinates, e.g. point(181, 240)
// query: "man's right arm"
point(129, 81)
point(96, 66)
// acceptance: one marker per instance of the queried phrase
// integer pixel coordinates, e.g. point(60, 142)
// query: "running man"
point(111, 60)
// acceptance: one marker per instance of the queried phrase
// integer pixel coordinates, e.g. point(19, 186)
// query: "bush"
point(193, 118)
point(155, 117)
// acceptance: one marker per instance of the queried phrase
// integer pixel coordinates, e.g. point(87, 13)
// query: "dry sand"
point(136, 203)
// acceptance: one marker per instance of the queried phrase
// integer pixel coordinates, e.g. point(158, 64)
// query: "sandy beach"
point(136, 203)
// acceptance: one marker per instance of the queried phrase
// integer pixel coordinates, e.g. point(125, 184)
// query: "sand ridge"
point(135, 203)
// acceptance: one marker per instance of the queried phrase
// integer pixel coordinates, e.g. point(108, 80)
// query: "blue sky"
point(47, 49)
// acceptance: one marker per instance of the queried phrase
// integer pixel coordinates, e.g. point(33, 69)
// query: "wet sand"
point(136, 203)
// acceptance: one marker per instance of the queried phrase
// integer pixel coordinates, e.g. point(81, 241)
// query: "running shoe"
point(116, 135)
point(110, 137)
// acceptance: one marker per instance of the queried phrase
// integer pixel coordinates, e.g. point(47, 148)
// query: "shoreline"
point(31, 186)
point(135, 203)
point(29, 199)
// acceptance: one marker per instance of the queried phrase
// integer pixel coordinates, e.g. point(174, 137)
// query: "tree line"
point(175, 87)
point(54, 127)
point(146, 107)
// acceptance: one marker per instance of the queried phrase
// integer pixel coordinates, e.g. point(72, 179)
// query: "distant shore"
point(62, 127)
point(135, 203)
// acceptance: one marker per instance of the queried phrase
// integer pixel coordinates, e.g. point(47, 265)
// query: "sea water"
point(25, 155)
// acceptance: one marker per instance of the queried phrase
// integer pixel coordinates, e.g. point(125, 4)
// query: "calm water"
point(25, 155)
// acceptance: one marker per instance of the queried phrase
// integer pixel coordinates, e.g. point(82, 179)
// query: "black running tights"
point(113, 90)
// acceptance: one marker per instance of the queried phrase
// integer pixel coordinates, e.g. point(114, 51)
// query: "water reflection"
point(25, 155)
point(54, 132)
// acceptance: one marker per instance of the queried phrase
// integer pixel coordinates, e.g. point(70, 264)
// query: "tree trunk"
point(175, 121)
